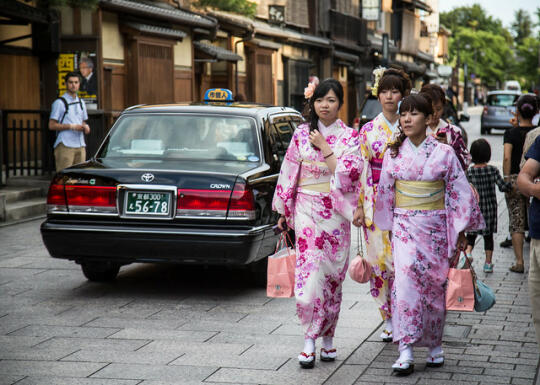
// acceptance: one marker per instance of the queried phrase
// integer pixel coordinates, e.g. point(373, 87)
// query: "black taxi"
point(175, 183)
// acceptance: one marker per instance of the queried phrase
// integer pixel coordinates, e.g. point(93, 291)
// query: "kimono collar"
point(442, 124)
point(392, 127)
point(416, 148)
point(326, 129)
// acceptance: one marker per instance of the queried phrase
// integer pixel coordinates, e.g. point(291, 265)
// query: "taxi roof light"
point(218, 95)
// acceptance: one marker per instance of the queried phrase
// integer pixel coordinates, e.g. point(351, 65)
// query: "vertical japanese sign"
point(85, 64)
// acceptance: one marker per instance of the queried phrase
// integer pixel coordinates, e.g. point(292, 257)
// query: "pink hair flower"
point(308, 91)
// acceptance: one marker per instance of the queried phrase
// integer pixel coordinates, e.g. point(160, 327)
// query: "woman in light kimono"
point(316, 195)
point(425, 200)
point(391, 86)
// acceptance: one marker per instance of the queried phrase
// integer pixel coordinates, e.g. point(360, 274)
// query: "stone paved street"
point(175, 325)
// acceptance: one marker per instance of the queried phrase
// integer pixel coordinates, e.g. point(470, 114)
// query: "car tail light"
point(202, 203)
point(56, 197)
point(485, 110)
point(239, 203)
point(91, 199)
point(242, 203)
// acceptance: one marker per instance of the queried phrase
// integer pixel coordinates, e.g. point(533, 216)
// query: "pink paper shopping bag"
point(281, 265)
point(460, 290)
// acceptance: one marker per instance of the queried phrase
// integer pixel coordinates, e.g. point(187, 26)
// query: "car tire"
point(100, 271)
point(259, 272)
point(482, 131)
point(488, 131)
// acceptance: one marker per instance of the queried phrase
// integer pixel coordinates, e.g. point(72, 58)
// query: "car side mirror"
point(464, 117)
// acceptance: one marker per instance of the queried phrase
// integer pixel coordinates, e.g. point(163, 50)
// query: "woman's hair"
point(527, 106)
point(322, 89)
point(418, 102)
point(394, 78)
point(435, 92)
point(480, 151)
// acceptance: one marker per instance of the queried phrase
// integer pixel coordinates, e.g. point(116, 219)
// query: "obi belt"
point(310, 185)
point(420, 195)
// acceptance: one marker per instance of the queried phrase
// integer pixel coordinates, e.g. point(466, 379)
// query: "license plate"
point(147, 203)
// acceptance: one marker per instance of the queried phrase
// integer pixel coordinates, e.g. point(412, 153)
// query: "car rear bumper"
point(488, 122)
point(128, 244)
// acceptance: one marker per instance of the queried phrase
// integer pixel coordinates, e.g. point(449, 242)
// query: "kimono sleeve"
point(345, 184)
point(285, 194)
point(462, 210)
point(367, 193)
point(385, 201)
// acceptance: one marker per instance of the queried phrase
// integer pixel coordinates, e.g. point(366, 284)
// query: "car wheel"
point(259, 272)
point(100, 271)
point(482, 131)
point(488, 130)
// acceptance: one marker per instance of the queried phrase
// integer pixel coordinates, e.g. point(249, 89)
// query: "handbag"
point(460, 289)
point(281, 268)
point(360, 269)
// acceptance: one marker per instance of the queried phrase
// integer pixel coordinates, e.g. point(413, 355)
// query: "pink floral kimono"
point(423, 240)
point(320, 206)
point(454, 138)
point(374, 137)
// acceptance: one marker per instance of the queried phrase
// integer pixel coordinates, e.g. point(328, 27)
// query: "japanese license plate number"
point(148, 203)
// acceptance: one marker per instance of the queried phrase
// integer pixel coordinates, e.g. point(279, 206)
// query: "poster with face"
point(85, 63)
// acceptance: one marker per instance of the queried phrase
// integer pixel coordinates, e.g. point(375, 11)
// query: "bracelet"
point(329, 155)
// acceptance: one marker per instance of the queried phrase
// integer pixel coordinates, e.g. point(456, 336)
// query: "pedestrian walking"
point(516, 202)
point(425, 200)
point(484, 177)
point(316, 195)
point(441, 129)
point(391, 86)
point(68, 118)
point(527, 183)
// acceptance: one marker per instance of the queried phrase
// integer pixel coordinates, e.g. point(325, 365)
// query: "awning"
point(412, 67)
point(155, 30)
point(425, 57)
point(290, 35)
point(236, 24)
point(212, 52)
point(346, 56)
point(163, 12)
point(20, 13)
point(348, 46)
point(419, 4)
point(265, 44)
point(376, 42)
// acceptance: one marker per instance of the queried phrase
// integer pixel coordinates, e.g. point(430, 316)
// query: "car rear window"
point(191, 137)
point(502, 100)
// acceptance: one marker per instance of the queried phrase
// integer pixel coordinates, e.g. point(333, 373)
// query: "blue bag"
point(484, 298)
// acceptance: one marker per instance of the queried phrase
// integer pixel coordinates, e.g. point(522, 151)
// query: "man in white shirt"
point(68, 119)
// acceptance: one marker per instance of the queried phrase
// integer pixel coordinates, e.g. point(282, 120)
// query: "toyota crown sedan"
point(180, 183)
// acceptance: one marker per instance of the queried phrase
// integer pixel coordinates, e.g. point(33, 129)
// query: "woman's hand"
point(319, 141)
point(461, 242)
point(282, 223)
point(358, 217)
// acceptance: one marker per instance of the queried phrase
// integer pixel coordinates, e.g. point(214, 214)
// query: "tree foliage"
point(527, 64)
point(522, 25)
point(243, 7)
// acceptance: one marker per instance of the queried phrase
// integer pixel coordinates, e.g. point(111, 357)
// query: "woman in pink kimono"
point(425, 200)
point(316, 195)
point(391, 86)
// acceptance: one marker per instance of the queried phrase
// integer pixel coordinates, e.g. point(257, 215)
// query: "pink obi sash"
point(376, 167)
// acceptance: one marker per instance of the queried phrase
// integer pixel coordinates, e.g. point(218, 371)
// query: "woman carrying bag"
point(425, 200)
point(317, 194)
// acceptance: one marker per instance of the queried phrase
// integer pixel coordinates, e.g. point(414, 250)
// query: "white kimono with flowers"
point(319, 206)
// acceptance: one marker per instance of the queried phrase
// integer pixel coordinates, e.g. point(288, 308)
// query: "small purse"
point(359, 269)
point(281, 269)
point(484, 297)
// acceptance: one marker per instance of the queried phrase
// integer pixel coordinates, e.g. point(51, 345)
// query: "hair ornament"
point(377, 75)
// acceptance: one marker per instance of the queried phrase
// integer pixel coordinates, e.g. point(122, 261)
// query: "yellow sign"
point(66, 63)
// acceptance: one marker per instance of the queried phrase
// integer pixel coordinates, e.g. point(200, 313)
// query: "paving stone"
point(183, 335)
point(154, 372)
point(481, 378)
point(8, 379)
point(49, 368)
point(247, 360)
point(35, 354)
point(345, 375)
point(161, 358)
point(73, 381)
point(366, 353)
point(64, 331)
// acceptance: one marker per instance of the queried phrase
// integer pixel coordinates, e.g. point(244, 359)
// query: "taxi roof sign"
point(218, 95)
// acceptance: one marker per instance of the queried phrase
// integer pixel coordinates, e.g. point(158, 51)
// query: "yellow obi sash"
point(317, 185)
point(420, 195)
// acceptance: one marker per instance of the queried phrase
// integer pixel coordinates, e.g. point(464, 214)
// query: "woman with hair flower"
point(316, 195)
point(391, 85)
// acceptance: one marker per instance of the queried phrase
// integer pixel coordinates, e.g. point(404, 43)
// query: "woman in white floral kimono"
point(316, 195)
point(425, 200)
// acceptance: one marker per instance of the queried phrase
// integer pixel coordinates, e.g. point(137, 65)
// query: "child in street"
point(484, 177)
